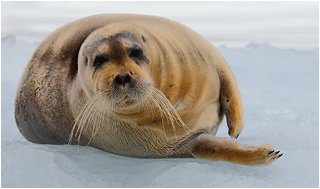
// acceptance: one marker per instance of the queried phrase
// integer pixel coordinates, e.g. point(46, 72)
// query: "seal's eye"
point(100, 60)
point(135, 53)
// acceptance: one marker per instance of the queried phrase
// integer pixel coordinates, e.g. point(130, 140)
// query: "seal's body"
point(138, 86)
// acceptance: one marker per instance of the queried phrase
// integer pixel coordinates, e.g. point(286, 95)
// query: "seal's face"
point(114, 65)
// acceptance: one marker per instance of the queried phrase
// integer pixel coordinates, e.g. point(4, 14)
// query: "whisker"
point(88, 115)
point(94, 113)
point(159, 100)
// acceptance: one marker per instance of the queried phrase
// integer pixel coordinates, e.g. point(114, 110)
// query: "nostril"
point(127, 79)
point(122, 80)
point(118, 80)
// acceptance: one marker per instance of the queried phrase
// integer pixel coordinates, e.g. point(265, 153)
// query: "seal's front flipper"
point(230, 99)
point(214, 148)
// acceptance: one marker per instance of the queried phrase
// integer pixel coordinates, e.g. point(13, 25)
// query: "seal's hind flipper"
point(230, 99)
point(212, 148)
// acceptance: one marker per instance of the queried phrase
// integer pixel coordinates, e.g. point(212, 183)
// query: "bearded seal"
point(137, 86)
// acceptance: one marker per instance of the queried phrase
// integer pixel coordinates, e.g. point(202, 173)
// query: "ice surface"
point(280, 91)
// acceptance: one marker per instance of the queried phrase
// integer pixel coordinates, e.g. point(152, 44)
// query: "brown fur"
point(133, 85)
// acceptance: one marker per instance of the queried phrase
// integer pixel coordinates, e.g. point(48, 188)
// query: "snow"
point(279, 87)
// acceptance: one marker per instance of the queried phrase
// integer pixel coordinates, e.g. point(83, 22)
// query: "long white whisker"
point(87, 116)
point(166, 109)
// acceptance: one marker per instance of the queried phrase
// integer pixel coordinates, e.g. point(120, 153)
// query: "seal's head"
point(118, 66)
point(113, 64)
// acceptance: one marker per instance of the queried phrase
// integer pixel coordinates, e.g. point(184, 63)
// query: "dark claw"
point(277, 152)
point(237, 136)
point(270, 152)
point(279, 155)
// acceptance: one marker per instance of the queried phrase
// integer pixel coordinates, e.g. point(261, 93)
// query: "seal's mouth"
point(124, 94)
point(126, 101)
point(125, 98)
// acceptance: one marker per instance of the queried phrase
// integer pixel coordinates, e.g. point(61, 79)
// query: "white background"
point(235, 24)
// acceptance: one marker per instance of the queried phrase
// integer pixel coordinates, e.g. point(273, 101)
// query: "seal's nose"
point(122, 79)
